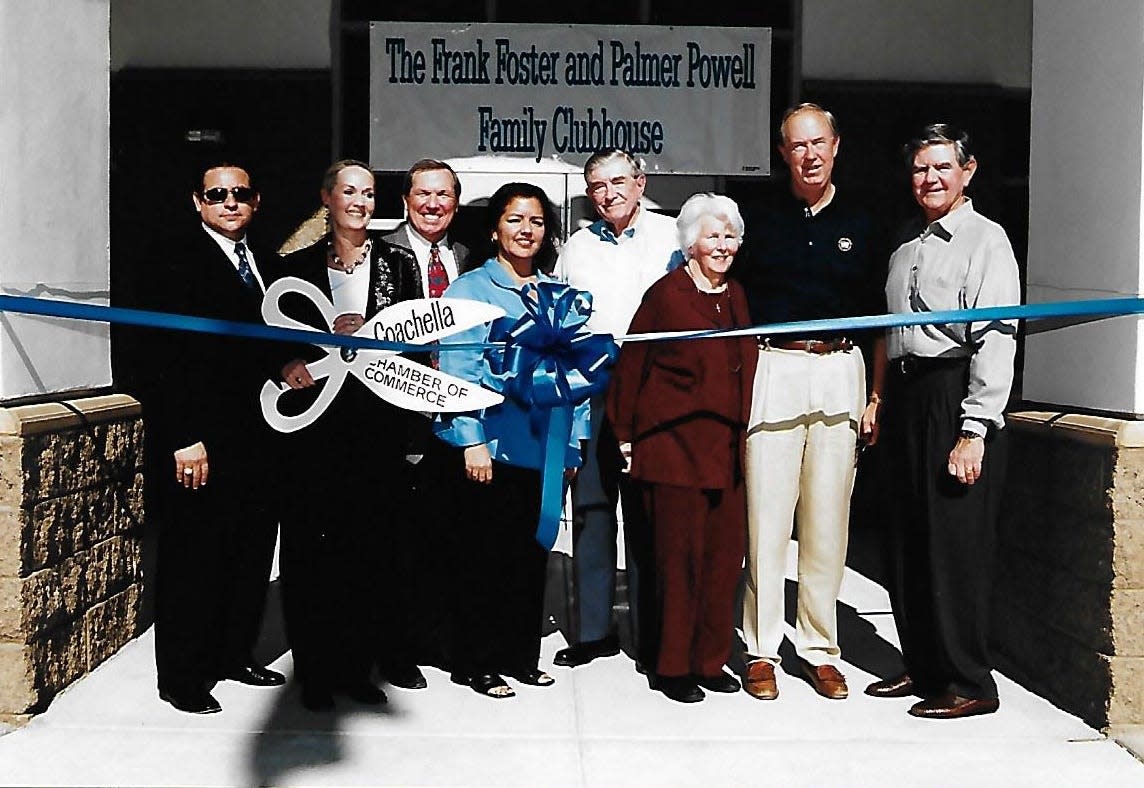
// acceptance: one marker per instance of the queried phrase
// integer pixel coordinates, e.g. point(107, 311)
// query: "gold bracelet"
point(875, 399)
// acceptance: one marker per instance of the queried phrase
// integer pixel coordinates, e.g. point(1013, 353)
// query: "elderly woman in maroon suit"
point(682, 407)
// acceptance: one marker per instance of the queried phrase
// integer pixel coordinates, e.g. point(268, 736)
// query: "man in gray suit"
point(431, 192)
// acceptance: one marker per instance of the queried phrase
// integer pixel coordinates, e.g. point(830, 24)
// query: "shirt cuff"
point(460, 430)
point(974, 426)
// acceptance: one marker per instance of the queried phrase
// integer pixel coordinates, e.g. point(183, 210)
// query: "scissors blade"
point(414, 386)
point(424, 320)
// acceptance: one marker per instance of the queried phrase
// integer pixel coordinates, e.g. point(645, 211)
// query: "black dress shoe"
point(680, 688)
point(255, 676)
point(724, 682)
point(364, 692)
point(409, 677)
point(895, 687)
point(583, 653)
point(317, 698)
point(195, 701)
point(951, 707)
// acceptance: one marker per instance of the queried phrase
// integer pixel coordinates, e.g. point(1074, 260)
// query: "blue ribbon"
point(47, 307)
point(1095, 309)
point(552, 363)
point(551, 360)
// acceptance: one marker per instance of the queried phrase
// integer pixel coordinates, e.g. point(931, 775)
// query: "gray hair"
point(609, 155)
point(939, 134)
point(807, 106)
point(702, 205)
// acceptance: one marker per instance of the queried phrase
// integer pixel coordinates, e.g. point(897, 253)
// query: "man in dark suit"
point(431, 191)
point(216, 539)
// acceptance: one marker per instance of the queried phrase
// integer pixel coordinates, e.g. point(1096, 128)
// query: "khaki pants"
point(801, 445)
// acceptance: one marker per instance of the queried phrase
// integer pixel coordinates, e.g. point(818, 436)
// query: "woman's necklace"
point(344, 266)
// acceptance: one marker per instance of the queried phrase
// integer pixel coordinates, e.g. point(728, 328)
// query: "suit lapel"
point(233, 296)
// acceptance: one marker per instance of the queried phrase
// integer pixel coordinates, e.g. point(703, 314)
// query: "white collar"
point(424, 244)
point(226, 243)
point(701, 282)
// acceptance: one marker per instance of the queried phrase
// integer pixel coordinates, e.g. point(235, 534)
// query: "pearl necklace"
point(347, 268)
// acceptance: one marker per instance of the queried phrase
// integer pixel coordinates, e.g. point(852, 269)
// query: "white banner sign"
point(397, 380)
point(686, 99)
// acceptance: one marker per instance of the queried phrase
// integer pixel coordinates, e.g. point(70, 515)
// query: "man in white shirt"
point(431, 192)
point(616, 259)
point(946, 437)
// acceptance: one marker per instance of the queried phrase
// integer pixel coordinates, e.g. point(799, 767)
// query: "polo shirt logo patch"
point(845, 244)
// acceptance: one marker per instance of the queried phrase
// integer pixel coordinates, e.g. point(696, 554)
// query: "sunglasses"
point(218, 194)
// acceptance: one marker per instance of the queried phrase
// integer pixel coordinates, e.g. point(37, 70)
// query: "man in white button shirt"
point(212, 450)
point(616, 258)
point(431, 191)
point(947, 391)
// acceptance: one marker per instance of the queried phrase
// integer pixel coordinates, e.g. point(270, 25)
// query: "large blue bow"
point(551, 363)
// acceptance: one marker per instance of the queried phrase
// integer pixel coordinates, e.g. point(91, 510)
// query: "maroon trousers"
point(699, 544)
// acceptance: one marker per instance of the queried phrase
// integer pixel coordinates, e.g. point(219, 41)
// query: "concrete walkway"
point(599, 725)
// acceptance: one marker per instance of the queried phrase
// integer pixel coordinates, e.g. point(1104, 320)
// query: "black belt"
point(919, 365)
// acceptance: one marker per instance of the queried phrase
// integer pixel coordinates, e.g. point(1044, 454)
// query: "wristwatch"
point(969, 435)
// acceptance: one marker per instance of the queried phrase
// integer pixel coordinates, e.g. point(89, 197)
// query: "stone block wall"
point(1069, 601)
point(71, 514)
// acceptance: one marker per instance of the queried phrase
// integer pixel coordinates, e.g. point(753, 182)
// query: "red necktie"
point(438, 276)
point(438, 282)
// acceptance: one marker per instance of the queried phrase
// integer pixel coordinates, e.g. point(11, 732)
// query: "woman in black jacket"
point(345, 468)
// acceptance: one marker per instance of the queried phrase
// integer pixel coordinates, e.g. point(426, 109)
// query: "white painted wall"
point(220, 33)
point(906, 40)
point(53, 190)
point(1085, 220)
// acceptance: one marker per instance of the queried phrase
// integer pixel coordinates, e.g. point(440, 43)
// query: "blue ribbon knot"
point(551, 363)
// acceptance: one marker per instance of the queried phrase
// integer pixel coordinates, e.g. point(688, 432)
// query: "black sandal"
point(488, 684)
point(534, 677)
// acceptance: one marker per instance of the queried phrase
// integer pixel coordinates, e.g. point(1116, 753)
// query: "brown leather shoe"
point(896, 687)
point(760, 681)
point(951, 707)
point(827, 681)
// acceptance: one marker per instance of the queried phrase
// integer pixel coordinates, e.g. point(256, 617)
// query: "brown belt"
point(815, 346)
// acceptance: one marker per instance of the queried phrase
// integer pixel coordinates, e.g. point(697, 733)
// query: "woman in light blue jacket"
point(500, 568)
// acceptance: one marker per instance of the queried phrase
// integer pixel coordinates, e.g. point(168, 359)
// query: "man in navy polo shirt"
point(812, 255)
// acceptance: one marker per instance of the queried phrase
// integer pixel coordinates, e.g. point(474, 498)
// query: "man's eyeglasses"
point(217, 194)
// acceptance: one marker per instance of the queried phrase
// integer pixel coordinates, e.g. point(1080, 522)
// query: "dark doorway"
point(167, 124)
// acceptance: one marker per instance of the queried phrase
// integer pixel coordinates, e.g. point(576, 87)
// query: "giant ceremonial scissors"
point(395, 379)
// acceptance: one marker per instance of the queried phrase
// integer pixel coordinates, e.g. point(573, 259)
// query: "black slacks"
point(943, 533)
point(338, 561)
point(216, 545)
point(499, 569)
point(422, 582)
